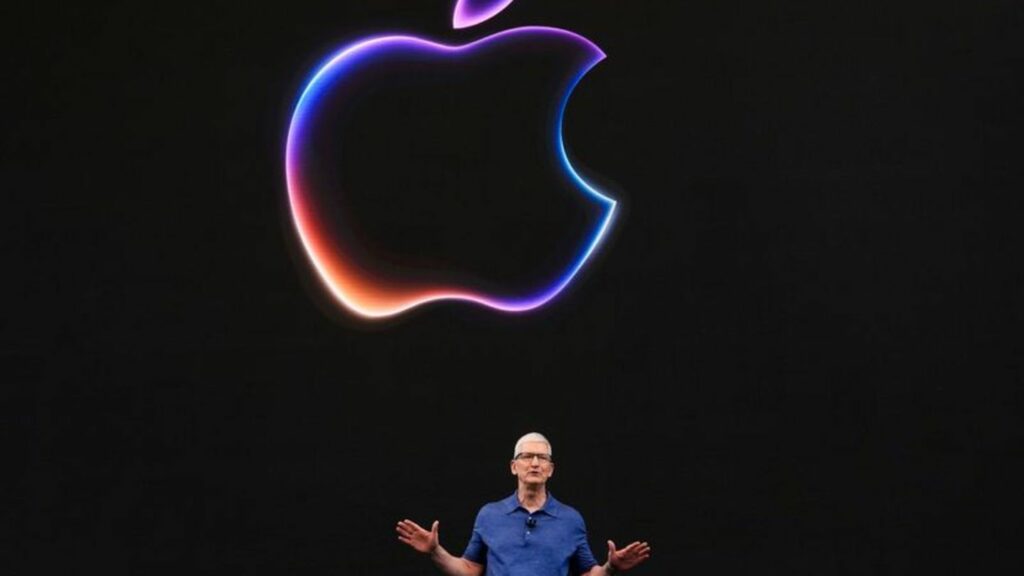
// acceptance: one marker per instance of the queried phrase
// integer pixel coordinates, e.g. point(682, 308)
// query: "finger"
point(611, 547)
point(636, 548)
point(412, 524)
point(406, 527)
point(433, 528)
point(640, 554)
point(635, 554)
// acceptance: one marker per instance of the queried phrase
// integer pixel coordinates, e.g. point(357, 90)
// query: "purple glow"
point(355, 288)
point(472, 12)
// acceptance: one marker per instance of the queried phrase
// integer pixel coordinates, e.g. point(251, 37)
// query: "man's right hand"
point(419, 538)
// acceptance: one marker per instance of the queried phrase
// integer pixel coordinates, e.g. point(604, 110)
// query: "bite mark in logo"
point(360, 291)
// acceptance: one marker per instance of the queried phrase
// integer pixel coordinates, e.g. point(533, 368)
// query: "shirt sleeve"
point(476, 550)
point(582, 559)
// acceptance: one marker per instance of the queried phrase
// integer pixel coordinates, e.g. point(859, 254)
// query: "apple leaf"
point(472, 12)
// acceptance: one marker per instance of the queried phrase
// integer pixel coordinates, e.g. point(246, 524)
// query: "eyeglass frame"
point(529, 456)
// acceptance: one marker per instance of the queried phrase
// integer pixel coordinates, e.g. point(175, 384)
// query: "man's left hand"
point(629, 556)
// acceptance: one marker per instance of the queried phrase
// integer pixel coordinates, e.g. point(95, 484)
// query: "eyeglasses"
point(529, 456)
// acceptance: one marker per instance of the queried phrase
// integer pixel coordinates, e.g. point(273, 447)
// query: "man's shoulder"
point(500, 506)
point(567, 510)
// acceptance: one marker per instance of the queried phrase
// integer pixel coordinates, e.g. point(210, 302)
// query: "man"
point(527, 534)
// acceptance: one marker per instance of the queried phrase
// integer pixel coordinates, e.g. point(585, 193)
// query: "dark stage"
point(798, 351)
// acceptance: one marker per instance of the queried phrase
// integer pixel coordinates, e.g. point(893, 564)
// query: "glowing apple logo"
point(369, 287)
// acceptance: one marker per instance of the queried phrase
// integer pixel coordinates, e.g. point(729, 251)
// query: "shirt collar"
point(550, 507)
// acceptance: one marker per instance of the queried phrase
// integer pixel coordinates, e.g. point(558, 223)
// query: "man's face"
point(533, 464)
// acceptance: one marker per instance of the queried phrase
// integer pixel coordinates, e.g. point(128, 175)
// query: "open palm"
point(418, 537)
point(628, 557)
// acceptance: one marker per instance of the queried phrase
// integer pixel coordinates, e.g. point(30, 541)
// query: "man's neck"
point(532, 497)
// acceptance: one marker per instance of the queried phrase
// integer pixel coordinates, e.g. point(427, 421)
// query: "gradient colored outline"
point(470, 13)
point(351, 286)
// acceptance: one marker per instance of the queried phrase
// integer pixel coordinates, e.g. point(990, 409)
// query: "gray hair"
point(531, 437)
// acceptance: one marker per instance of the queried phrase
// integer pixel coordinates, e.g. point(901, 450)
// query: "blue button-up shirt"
point(512, 542)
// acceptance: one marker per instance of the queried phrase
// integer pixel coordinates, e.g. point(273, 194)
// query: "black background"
point(798, 354)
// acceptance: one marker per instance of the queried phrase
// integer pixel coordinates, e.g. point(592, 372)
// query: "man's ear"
point(512, 467)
